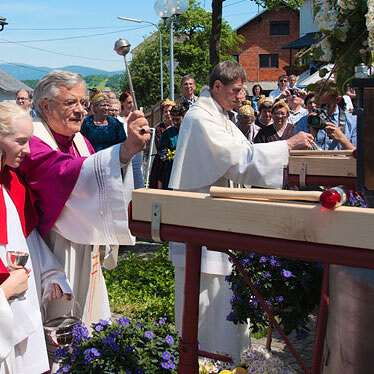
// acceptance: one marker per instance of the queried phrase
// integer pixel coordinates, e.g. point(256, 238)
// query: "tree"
point(191, 50)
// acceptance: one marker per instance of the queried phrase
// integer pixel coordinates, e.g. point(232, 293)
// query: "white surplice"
point(94, 214)
point(211, 151)
point(22, 343)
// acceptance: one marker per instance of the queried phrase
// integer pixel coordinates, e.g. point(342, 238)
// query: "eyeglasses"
point(283, 80)
point(22, 98)
point(71, 103)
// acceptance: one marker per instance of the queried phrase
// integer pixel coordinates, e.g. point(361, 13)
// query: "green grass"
point(142, 287)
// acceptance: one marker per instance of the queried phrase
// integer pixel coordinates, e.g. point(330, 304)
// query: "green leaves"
point(143, 286)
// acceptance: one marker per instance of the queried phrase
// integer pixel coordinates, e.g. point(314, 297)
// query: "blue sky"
point(83, 21)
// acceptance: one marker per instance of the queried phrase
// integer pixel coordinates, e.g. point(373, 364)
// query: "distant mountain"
point(28, 72)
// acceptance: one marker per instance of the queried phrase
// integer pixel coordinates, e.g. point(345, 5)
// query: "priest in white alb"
point(82, 197)
point(211, 151)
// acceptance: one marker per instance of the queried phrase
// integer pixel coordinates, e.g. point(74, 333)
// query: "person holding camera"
point(331, 126)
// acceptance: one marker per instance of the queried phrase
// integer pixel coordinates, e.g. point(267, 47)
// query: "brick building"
point(262, 55)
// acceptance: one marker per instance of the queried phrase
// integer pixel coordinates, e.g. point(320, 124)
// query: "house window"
point(279, 28)
point(269, 61)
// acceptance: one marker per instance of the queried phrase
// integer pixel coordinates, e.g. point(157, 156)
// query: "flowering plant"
point(347, 28)
point(290, 289)
point(167, 154)
point(124, 346)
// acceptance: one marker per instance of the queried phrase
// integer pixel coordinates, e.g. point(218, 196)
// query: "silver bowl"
point(58, 331)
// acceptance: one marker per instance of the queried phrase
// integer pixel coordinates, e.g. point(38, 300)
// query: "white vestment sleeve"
point(6, 324)
point(211, 147)
point(48, 270)
point(96, 211)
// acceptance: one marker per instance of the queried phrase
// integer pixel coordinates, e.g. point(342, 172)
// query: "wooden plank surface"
point(337, 166)
point(309, 222)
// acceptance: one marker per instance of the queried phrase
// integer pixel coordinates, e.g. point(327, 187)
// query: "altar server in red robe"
point(22, 343)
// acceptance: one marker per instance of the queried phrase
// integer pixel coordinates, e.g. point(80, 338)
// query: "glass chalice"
point(17, 260)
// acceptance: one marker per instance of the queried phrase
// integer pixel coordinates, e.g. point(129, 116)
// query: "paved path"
point(303, 347)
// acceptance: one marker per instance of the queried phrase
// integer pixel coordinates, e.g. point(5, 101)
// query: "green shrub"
point(143, 287)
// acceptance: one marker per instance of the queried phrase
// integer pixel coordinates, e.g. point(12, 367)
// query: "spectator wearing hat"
point(103, 131)
point(264, 107)
point(246, 119)
point(100, 129)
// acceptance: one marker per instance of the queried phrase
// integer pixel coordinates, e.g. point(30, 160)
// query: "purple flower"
point(124, 322)
point(246, 262)
point(251, 255)
point(268, 303)
point(286, 273)
point(139, 371)
point(169, 339)
point(253, 302)
point(149, 334)
point(165, 365)
point(171, 364)
point(279, 299)
point(262, 259)
point(103, 322)
point(63, 369)
point(273, 262)
point(267, 275)
point(90, 355)
point(166, 356)
point(61, 352)
point(98, 327)
point(129, 349)
point(162, 321)
point(110, 343)
point(230, 316)
point(116, 332)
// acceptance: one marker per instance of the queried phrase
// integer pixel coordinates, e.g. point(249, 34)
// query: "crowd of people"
point(68, 168)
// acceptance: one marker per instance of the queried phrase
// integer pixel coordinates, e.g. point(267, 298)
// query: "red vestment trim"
point(24, 201)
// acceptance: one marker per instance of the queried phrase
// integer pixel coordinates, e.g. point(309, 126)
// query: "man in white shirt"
point(212, 151)
point(279, 93)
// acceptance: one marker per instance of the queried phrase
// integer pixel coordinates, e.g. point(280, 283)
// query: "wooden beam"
point(309, 222)
point(324, 165)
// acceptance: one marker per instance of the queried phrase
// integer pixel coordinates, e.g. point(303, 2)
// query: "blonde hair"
point(10, 113)
point(280, 104)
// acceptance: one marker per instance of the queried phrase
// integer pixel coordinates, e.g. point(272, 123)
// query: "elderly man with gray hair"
point(82, 197)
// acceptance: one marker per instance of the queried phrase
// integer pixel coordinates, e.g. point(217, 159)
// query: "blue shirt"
point(102, 137)
point(323, 140)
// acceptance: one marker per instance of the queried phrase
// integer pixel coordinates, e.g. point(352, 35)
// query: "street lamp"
point(3, 22)
point(167, 9)
point(160, 36)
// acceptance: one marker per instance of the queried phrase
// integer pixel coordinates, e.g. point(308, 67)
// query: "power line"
point(73, 37)
point(238, 2)
point(64, 28)
point(58, 53)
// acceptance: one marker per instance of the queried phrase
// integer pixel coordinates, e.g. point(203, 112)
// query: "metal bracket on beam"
point(302, 175)
point(156, 222)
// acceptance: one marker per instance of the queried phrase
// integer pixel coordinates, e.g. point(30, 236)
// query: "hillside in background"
point(102, 81)
point(24, 72)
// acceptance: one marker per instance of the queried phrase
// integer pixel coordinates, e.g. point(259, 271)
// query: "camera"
point(319, 120)
point(294, 91)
